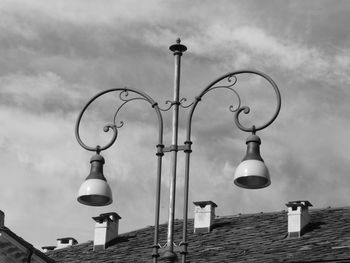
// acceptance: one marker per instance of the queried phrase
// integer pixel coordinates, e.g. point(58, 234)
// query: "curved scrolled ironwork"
point(229, 87)
point(115, 125)
point(232, 77)
point(185, 106)
point(172, 103)
point(123, 96)
point(180, 103)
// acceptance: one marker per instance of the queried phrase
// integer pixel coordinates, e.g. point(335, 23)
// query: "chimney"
point(65, 242)
point(298, 217)
point(48, 248)
point(2, 218)
point(106, 229)
point(204, 214)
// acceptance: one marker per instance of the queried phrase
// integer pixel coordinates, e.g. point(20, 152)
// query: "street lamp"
point(251, 173)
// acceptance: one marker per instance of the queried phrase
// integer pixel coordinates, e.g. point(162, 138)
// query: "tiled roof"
point(258, 237)
point(15, 249)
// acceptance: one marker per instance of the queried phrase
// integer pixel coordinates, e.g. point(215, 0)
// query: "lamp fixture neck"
point(253, 148)
point(96, 171)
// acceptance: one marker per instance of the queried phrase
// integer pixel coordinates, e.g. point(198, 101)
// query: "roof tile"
point(258, 237)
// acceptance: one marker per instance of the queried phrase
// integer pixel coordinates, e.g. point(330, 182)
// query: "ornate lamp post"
point(251, 173)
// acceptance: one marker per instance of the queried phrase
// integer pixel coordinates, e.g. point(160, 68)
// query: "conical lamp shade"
point(95, 190)
point(252, 172)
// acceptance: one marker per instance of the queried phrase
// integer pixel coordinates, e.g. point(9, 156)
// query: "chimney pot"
point(66, 242)
point(106, 229)
point(48, 248)
point(204, 215)
point(298, 217)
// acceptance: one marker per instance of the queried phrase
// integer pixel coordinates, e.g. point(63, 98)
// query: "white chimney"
point(106, 229)
point(48, 248)
point(2, 218)
point(204, 214)
point(65, 242)
point(298, 217)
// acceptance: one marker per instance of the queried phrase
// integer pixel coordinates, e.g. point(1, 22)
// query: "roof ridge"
point(330, 208)
point(284, 210)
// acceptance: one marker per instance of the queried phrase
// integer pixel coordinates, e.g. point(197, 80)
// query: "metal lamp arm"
point(123, 96)
point(232, 79)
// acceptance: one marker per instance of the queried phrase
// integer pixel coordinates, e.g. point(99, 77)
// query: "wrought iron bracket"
point(172, 103)
point(177, 247)
point(155, 253)
point(125, 98)
point(160, 151)
point(186, 147)
point(184, 246)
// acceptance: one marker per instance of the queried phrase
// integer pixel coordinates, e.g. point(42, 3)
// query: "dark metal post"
point(160, 154)
point(184, 243)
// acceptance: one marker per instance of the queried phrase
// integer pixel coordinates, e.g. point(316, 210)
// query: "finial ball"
point(178, 48)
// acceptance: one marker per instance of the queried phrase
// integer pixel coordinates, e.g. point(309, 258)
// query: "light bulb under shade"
point(252, 174)
point(95, 192)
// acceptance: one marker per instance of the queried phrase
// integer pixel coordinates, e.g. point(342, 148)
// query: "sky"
point(56, 55)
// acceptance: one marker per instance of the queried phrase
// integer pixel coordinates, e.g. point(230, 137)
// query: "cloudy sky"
point(55, 55)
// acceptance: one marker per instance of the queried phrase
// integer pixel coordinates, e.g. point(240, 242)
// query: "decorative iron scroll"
point(125, 97)
point(230, 80)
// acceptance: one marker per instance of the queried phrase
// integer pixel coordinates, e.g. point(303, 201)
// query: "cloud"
point(41, 94)
point(254, 46)
point(83, 12)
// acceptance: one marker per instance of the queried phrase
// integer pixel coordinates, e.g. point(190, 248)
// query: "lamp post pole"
point(251, 173)
point(178, 49)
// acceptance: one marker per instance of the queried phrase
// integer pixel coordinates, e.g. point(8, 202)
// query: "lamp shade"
point(252, 172)
point(95, 191)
